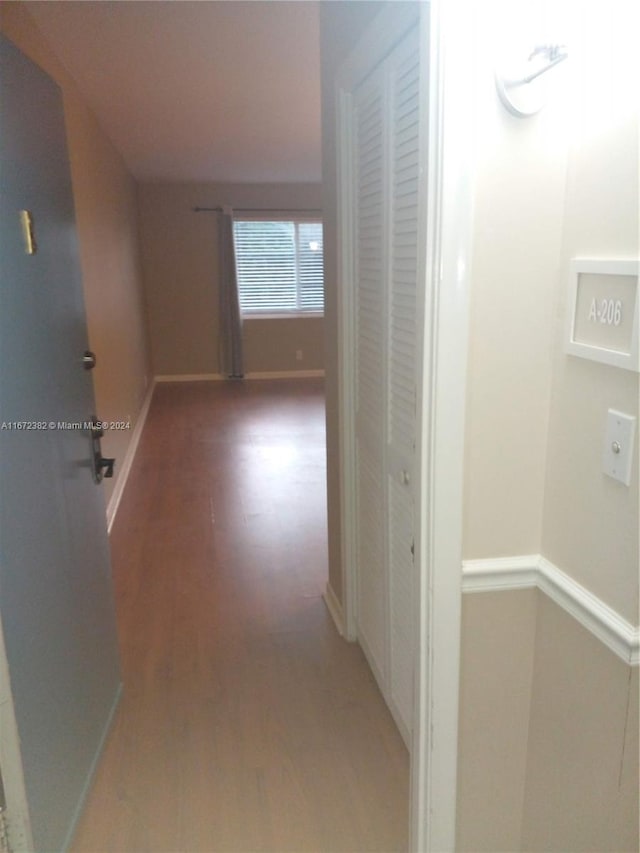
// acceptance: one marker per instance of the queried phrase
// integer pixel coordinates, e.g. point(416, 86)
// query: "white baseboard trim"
point(219, 377)
point(127, 462)
point(373, 666)
point(534, 571)
point(190, 377)
point(92, 770)
point(384, 688)
point(335, 608)
point(286, 374)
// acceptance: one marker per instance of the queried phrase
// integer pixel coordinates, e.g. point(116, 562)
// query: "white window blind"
point(279, 265)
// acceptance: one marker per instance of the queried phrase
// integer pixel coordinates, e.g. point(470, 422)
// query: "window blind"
point(279, 265)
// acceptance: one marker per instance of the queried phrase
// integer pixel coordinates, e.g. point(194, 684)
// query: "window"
point(279, 265)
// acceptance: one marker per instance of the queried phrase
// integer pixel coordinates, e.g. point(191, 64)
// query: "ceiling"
point(216, 90)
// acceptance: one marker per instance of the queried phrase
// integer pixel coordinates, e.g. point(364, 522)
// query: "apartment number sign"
point(604, 309)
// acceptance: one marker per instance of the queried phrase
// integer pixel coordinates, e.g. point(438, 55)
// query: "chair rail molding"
point(535, 571)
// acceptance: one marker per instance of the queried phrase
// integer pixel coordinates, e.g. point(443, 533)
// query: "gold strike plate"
point(26, 220)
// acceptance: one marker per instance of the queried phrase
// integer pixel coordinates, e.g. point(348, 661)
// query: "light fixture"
point(520, 84)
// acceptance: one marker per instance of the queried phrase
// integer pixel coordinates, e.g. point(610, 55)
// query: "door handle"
point(88, 359)
point(102, 465)
point(102, 462)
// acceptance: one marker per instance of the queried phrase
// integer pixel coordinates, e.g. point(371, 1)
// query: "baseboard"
point(335, 609)
point(218, 377)
point(373, 666)
point(190, 377)
point(534, 571)
point(405, 734)
point(286, 374)
point(92, 770)
point(127, 462)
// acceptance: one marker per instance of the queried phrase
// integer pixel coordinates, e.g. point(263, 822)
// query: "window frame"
point(296, 217)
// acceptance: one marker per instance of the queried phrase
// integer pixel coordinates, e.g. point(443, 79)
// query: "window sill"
point(288, 315)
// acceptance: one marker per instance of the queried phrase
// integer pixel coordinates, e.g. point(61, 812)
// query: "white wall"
point(520, 186)
point(559, 185)
point(582, 774)
point(590, 523)
point(551, 187)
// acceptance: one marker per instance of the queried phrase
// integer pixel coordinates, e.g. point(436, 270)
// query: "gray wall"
point(180, 257)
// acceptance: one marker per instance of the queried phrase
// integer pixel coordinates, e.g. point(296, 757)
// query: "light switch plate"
point(617, 456)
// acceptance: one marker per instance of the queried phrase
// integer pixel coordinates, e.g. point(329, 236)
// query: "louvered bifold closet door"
point(369, 300)
point(385, 133)
point(401, 369)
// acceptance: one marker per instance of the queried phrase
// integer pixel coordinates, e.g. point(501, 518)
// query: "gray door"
point(56, 598)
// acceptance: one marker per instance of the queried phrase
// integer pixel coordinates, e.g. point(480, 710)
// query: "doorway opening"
point(246, 723)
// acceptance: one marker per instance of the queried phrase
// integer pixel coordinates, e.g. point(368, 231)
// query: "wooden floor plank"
point(247, 723)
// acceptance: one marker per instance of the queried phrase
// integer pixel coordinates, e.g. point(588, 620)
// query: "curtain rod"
point(257, 210)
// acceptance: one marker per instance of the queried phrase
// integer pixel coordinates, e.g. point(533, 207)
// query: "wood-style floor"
point(247, 723)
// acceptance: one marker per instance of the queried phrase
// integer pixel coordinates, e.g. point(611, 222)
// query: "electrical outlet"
point(298, 355)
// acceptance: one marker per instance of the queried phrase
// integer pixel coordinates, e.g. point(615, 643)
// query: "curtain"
point(231, 361)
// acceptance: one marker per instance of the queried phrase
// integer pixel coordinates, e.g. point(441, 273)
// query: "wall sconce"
point(521, 86)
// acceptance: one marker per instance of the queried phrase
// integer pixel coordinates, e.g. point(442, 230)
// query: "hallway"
point(246, 723)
